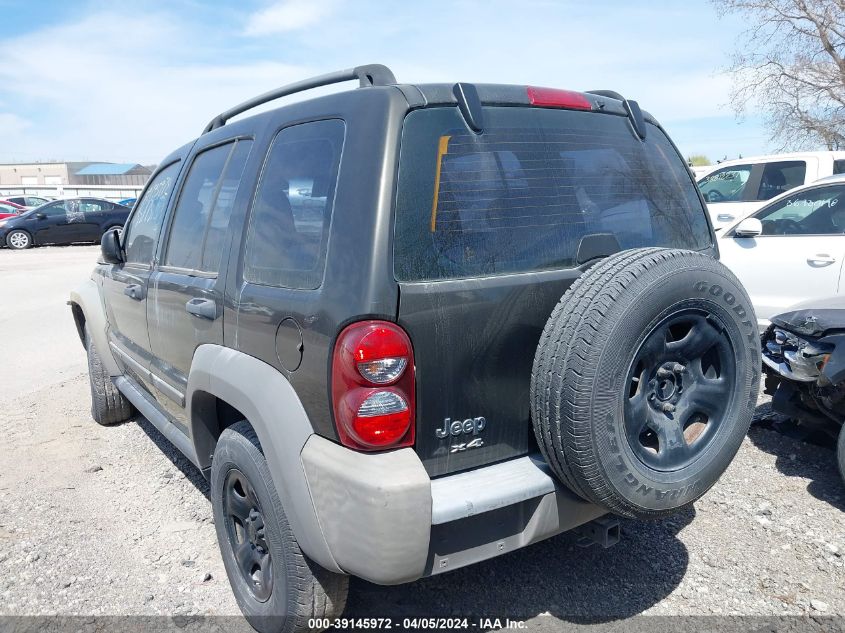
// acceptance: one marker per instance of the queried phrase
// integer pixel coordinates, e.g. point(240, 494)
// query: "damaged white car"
point(804, 367)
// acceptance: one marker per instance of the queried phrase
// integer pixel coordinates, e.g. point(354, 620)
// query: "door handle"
point(821, 259)
point(134, 291)
point(203, 308)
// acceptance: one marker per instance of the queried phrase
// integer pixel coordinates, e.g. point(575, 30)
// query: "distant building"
point(75, 173)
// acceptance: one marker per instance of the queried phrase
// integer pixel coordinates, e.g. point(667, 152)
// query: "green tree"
point(698, 160)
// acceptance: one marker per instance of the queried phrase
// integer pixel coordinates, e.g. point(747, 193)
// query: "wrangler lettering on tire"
point(660, 346)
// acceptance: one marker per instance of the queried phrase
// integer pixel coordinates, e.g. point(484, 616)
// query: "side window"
point(204, 207)
point(781, 177)
point(726, 184)
point(54, 210)
point(291, 214)
point(839, 166)
point(819, 211)
point(92, 206)
point(218, 227)
point(141, 236)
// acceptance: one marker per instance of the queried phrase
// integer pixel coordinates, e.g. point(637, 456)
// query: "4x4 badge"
point(470, 426)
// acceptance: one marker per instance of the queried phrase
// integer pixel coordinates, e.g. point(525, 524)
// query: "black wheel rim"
point(247, 534)
point(680, 390)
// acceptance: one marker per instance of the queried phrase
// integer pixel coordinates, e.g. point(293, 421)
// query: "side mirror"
point(40, 216)
point(749, 227)
point(110, 247)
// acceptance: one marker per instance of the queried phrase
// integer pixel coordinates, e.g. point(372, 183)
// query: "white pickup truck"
point(735, 189)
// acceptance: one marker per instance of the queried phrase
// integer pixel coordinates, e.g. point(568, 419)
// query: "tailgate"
point(474, 343)
point(487, 228)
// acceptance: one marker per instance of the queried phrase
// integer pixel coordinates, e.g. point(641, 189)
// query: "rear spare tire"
point(645, 380)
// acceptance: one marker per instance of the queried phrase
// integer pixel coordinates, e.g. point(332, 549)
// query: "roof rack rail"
point(368, 75)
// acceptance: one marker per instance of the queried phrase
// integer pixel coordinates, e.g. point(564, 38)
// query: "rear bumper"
point(385, 521)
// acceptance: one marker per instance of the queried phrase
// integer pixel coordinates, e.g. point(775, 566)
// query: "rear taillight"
point(373, 386)
point(556, 98)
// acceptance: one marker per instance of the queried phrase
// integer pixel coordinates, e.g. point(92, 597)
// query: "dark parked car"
point(63, 222)
point(406, 328)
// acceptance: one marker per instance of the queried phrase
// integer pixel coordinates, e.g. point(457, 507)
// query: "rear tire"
point(276, 587)
point(108, 405)
point(19, 240)
point(645, 380)
point(840, 452)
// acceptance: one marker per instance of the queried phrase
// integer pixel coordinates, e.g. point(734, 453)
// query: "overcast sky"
point(129, 82)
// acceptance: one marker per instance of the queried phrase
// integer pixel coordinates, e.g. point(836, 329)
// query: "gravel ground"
point(112, 521)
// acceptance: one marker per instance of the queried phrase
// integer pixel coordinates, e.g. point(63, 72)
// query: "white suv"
point(737, 188)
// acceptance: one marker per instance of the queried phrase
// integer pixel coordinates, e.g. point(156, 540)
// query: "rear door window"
point(218, 225)
point(520, 196)
point(204, 207)
point(726, 184)
point(289, 225)
point(780, 177)
point(93, 206)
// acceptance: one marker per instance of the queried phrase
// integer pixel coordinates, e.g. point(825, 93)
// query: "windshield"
point(520, 196)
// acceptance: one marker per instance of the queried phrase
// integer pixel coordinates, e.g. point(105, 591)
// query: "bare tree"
point(791, 66)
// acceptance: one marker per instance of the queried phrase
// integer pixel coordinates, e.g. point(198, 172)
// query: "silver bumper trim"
point(481, 490)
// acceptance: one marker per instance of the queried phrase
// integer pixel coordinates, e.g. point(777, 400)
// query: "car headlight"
point(795, 357)
point(2, 223)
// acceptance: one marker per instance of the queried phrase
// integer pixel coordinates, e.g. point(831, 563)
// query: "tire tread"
point(108, 405)
point(564, 370)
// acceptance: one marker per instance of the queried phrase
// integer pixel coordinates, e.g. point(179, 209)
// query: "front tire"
point(277, 588)
point(19, 240)
point(840, 452)
point(108, 405)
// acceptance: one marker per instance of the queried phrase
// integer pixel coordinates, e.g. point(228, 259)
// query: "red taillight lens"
point(555, 98)
point(373, 386)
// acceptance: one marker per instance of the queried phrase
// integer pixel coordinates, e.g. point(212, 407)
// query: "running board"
point(150, 410)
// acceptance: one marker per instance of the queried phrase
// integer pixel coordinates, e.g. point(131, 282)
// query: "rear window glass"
point(520, 196)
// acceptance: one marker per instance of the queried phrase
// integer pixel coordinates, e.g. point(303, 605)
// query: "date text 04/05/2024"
point(430, 623)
